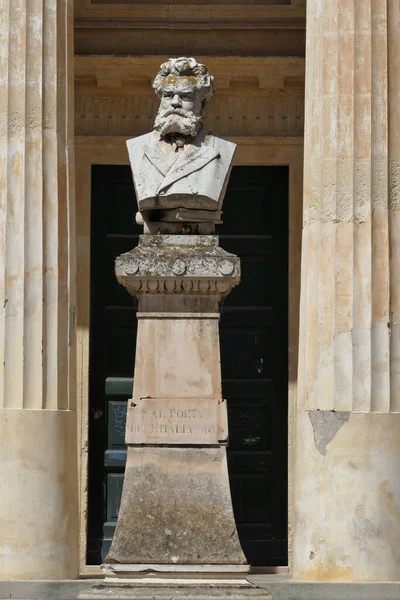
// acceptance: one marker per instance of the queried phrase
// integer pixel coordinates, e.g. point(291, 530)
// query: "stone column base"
point(38, 498)
point(347, 497)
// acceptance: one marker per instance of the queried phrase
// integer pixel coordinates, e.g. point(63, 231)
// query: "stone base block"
point(38, 498)
point(166, 592)
point(176, 575)
point(176, 510)
point(347, 497)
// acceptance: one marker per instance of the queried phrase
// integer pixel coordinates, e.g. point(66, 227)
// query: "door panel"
point(254, 359)
point(253, 331)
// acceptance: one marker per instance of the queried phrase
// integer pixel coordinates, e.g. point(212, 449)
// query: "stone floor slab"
point(281, 587)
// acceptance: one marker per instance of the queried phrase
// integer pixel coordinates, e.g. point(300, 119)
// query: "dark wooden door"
point(254, 353)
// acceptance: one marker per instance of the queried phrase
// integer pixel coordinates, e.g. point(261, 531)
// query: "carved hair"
point(195, 73)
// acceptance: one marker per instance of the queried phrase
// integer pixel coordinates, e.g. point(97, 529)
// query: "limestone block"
point(177, 357)
point(176, 509)
point(38, 497)
point(347, 500)
point(200, 575)
point(129, 592)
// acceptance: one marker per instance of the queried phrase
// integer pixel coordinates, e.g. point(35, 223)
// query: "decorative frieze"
point(202, 267)
point(254, 96)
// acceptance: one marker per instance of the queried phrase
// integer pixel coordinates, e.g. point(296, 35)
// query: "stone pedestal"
point(176, 527)
point(347, 496)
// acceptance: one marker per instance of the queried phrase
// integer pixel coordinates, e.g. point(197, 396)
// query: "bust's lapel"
point(195, 158)
point(155, 156)
point(156, 160)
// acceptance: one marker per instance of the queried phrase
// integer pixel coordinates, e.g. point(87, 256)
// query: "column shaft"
point(348, 487)
point(38, 502)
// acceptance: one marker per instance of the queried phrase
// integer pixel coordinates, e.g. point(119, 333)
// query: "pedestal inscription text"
point(176, 421)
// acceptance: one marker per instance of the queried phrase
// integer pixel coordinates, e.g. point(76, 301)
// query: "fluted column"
point(347, 496)
point(38, 462)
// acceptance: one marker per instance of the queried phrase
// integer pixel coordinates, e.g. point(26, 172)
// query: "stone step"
point(280, 587)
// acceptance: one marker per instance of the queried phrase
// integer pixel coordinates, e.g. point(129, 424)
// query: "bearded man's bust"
point(181, 164)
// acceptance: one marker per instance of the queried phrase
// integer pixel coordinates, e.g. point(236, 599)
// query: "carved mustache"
point(176, 111)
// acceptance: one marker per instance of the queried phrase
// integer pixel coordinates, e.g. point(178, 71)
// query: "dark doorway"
point(254, 352)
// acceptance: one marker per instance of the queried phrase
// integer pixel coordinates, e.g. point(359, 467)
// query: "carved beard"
point(177, 120)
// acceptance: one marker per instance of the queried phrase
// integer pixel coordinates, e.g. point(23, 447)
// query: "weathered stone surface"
point(176, 508)
point(326, 424)
point(347, 494)
point(178, 264)
point(39, 517)
point(39, 496)
point(281, 587)
point(196, 180)
point(176, 505)
point(115, 592)
point(350, 306)
point(190, 575)
point(347, 498)
point(177, 421)
point(177, 356)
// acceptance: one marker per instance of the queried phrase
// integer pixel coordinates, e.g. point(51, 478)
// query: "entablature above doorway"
point(186, 27)
point(222, 13)
point(255, 96)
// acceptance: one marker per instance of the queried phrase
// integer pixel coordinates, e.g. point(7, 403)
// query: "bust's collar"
point(198, 153)
point(198, 140)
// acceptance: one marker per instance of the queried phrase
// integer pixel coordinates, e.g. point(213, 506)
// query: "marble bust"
point(180, 169)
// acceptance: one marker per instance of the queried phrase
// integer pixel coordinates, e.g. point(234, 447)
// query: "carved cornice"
point(191, 13)
point(137, 285)
point(229, 72)
point(255, 96)
point(174, 264)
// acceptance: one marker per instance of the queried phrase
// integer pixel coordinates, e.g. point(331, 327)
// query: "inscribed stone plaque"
point(177, 421)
